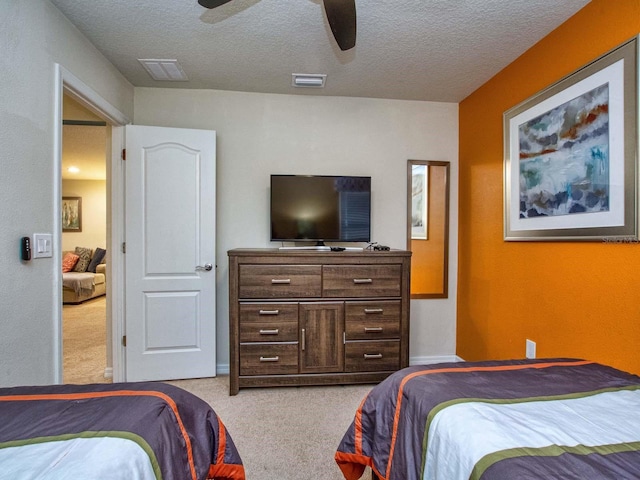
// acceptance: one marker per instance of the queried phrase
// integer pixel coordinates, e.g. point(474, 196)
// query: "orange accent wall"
point(573, 299)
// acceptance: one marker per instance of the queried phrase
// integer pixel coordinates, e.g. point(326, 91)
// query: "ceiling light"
point(73, 169)
point(309, 80)
point(166, 70)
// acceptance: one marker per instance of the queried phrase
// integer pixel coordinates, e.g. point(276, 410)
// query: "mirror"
point(428, 227)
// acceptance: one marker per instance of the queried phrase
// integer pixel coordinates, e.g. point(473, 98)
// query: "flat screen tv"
point(320, 208)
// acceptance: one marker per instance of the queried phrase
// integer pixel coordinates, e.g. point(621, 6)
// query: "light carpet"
point(284, 433)
point(84, 338)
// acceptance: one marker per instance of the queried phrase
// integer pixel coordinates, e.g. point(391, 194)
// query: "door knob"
point(207, 267)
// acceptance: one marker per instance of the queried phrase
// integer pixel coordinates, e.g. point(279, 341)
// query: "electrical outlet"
point(531, 349)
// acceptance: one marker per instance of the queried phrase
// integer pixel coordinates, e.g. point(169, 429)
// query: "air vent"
point(308, 80)
point(164, 70)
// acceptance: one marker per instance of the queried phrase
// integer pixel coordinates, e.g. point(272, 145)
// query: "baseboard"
point(108, 372)
point(434, 359)
point(223, 368)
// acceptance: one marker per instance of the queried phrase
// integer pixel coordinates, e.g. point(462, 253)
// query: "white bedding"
point(461, 435)
point(95, 458)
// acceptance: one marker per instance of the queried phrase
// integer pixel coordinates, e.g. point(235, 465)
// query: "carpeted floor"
point(284, 433)
point(84, 342)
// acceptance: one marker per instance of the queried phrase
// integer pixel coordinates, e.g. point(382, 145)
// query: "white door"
point(170, 273)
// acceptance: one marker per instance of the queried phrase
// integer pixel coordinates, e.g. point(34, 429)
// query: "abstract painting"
point(564, 158)
point(570, 155)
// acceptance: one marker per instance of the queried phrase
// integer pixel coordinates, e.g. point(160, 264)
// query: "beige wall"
point(261, 134)
point(94, 214)
point(34, 36)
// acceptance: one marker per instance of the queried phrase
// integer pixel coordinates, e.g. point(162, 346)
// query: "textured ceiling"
point(436, 50)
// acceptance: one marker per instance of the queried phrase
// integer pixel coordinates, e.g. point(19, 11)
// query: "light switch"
point(42, 245)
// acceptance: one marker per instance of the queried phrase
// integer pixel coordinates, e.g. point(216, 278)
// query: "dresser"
point(307, 317)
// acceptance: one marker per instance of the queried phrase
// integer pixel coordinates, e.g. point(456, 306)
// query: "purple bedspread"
point(178, 435)
point(398, 430)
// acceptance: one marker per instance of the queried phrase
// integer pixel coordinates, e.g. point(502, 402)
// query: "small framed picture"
point(72, 214)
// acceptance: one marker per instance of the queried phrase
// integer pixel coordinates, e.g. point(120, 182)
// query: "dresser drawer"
point(279, 281)
point(362, 280)
point(268, 322)
point(372, 320)
point(274, 359)
point(372, 356)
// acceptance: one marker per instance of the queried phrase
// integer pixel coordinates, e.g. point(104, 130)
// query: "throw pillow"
point(69, 261)
point(98, 256)
point(84, 260)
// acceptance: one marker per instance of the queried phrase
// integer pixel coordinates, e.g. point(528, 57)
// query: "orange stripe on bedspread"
point(117, 393)
point(396, 417)
point(221, 470)
point(226, 471)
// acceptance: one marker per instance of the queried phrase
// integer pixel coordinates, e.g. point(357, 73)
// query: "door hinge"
point(124, 340)
point(124, 154)
point(124, 247)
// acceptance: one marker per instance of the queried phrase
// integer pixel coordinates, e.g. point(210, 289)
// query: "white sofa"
point(72, 293)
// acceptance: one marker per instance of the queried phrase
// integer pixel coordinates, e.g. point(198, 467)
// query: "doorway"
point(68, 85)
point(84, 234)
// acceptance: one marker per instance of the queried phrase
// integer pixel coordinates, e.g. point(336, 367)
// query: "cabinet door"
point(321, 337)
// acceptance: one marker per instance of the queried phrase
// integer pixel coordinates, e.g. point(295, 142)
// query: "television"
point(320, 208)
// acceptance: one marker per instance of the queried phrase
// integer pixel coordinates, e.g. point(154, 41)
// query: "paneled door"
point(170, 253)
point(321, 337)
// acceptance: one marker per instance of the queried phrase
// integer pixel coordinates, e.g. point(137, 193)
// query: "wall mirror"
point(428, 227)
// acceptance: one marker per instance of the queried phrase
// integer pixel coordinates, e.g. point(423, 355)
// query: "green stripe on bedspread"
point(500, 401)
point(550, 451)
point(102, 434)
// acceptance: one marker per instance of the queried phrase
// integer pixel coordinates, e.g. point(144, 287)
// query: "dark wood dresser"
point(306, 317)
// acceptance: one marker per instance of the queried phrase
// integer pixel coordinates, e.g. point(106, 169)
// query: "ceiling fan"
point(341, 15)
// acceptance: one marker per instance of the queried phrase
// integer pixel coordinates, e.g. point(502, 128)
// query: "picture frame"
point(419, 202)
point(571, 156)
point(72, 214)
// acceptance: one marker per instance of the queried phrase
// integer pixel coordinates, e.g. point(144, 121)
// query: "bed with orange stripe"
point(545, 418)
point(119, 431)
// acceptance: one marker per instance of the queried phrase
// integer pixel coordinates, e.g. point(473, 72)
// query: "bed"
point(518, 419)
point(132, 431)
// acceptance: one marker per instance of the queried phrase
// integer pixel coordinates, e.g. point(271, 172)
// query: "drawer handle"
point(372, 329)
point(269, 332)
point(373, 310)
point(372, 356)
point(270, 359)
point(269, 312)
point(280, 281)
point(362, 280)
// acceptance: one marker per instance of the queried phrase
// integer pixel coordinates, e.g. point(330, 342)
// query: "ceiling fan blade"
point(212, 3)
point(341, 15)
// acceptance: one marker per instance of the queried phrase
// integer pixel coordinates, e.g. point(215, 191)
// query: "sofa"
point(80, 286)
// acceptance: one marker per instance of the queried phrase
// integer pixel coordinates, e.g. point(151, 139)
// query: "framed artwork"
point(419, 202)
point(72, 214)
point(571, 155)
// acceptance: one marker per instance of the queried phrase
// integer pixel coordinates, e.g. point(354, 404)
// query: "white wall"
point(261, 134)
point(94, 214)
point(34, 36)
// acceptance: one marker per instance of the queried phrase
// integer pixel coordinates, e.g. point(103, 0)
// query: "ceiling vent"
point(164, 70)
point(306, 80)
